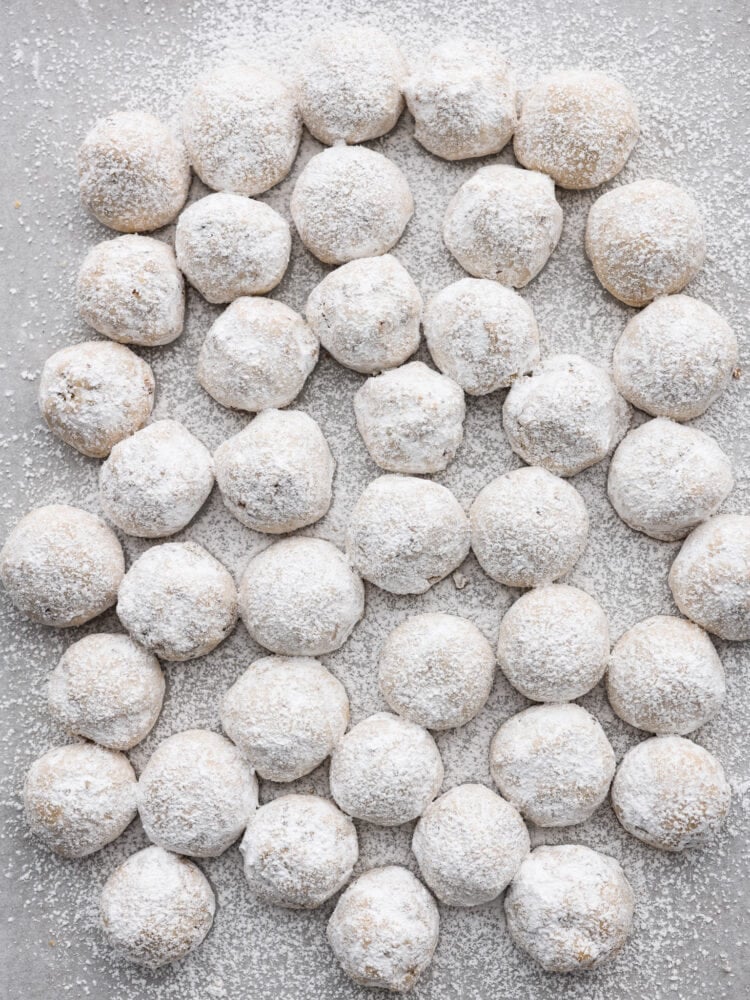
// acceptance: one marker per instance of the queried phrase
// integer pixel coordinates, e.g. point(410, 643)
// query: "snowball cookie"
point(406, 534)
point(503, 223)
point(463, 99)
point(671, 793)
point(178, 601)
point(61, 566)
point(579, 126)
point(94, 394)
point(299, 850)
point(384, 929)
point(436, 670)
point(130, 290)
point(107, 688)
point(665, 676)
point(554, 643)
point(665, 478)
point(482, 334)
point(300, 597)
point(196, 794)
point(349, 84)
point(675, 357)
point(257, 355)
point(565, 416)
point(411, 419)
point(78, 798)
point(277, 474)
point(645, 239)
point(469, 844)
point(241, 128)
point(228, 245)
point(285, 714)
point(710, 578)
point(350, 202)
point(367, 314)
point(385, 770)
point(528, 527)
point(569, 907)
point(156, 908)
point(133, 174)
point(554, 763)
point(155, 482)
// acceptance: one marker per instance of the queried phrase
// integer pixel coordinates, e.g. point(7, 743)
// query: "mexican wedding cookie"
point(61, 566)
point(133, 173)
point(554, 763)
point(384, 929)
point(300, 597)
point(569, 908)
point(645, 239)
point(130, 290)
point(385, 770)
point(350, 202)
point(528, 527)
point(565, 416)
point(578, 126)
point(665, 478)
point(503, 224)
point(156, 908)
point(177, 601)
point(463, 100)
point(276, 475)
point(671, 793)
point(196, 794)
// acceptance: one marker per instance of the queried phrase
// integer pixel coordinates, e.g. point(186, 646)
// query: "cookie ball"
point(579, 126)
point(411, 419)
point(277, 474)
point(528, 527)
point(196, 794)
point(469, 844)
point(385, 770)
point(78, 798)
point(228, 246)
point(436, 670)
point(285, 714)
point(257, 355)
point(178, 601)
point(569, 908)
point(645, 239)
point(675, 357)
point(503, 223)
point(554, 763)
point(130, 290)
point(665, 478)
point(155, 482)
point(94, 394)
point(463, 99)
point(349, 84)
point(61, 566)
point(241, 128)
point(107, 688)
point(300, 597)
point(298, 851)
point(367, 314)
point(133, 174)
point(671, 793)
point(384, 929)
point(565, 416)
point(156, 908)
point(554, 643)
point(710, 578)
point(350, 202)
